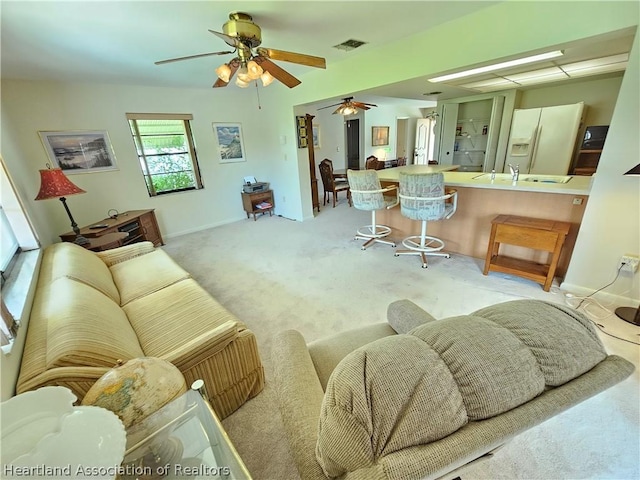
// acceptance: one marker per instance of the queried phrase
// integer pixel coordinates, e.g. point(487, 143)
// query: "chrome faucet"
point(515, 172)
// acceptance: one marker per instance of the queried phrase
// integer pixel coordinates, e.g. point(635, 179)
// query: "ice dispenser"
point(520, 147)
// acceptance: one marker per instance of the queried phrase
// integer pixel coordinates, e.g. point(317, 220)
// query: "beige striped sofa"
point(92, 309)
point(420, 398)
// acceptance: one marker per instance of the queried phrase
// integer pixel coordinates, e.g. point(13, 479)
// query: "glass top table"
point(184, 439)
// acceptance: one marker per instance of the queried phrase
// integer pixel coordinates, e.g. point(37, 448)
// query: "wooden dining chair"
point(372, 163)
point(331, 185)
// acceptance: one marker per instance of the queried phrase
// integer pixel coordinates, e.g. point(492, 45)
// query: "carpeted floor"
point(312, 276)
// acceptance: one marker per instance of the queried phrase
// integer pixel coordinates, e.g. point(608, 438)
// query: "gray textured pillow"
point(563, 340)
point(495, 371)
point(388, 395)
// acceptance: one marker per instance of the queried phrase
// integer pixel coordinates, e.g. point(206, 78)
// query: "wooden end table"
point(534, 233)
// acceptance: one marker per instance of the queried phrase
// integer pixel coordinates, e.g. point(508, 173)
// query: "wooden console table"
point(130, 227)
point(534, 233)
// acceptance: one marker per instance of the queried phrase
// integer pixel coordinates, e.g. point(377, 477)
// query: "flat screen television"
point(594, 137)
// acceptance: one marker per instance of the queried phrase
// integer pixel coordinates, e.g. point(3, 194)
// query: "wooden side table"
point(534, 233)
point(252, 203)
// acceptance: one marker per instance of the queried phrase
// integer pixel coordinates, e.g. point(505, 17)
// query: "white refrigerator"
point(542, 140)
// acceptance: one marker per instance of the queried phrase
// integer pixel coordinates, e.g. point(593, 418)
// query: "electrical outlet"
point(631, 263)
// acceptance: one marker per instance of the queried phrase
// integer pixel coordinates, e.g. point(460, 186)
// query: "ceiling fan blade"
point(277, 72)
point(233, 65)
point(178, 59)
point(363, 105)
point(299, 58)
point(229, 40)
point(329, 106)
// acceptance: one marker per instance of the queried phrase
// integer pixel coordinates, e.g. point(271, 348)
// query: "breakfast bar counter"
point(481, 198)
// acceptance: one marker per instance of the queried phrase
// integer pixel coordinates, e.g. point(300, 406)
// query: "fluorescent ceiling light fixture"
point(542, 74)
point(596, 62)
point(614, 67)
point(494, 82)
point(498, 66)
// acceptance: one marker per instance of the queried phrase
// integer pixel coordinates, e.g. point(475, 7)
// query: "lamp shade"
point(55, 184)
point(634, 171)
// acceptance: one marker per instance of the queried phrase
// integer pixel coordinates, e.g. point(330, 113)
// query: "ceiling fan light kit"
point(266, 78)
point(224, 72)
point(244, 35)
point(349, 106)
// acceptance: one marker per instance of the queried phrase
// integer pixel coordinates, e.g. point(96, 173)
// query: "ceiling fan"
point(251, 62)
point(349, 107)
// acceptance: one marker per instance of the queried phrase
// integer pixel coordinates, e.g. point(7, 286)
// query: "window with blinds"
point(166, 152)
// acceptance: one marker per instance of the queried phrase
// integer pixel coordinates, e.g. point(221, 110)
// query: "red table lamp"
point(55, 184)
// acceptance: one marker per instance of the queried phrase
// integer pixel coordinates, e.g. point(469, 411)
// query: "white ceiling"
point(119, 41)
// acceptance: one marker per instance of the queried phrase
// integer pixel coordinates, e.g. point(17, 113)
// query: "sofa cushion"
point(73, 261)
point(145, 274)
point(174, 316)
point(377, 402)
point(86, 328)
point(563, 341)
point(494, 370)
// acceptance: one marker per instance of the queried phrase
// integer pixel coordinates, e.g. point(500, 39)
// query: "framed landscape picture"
point(229, 142)
point(379, 136)
point(79, 151)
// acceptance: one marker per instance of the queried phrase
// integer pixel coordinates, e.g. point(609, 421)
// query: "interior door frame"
point(352, 139)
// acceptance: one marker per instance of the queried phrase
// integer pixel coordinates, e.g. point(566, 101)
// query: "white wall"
point(611, 224)
point(28, 107)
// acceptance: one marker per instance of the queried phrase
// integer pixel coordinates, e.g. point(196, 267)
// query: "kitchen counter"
point(576, 185)
point(480, 200)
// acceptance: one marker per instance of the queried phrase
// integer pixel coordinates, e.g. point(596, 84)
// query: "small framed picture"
point(229, 142)
point(379, 136)
point(79, 151)
point(316, 136)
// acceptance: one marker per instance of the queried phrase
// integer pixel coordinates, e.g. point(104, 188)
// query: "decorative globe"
point(136, 389)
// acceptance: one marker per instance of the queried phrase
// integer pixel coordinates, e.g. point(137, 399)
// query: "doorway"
point(352, 134)
point(402, 138)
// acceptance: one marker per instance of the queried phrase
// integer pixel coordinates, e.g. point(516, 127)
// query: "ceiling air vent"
point(350, 44)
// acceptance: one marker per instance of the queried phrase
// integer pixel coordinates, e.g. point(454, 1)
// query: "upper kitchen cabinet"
point(468, 132)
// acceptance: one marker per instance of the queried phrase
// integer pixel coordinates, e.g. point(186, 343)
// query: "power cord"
point(590, 315)
point(602, 288)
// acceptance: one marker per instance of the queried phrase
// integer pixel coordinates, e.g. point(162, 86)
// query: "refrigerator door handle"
point(534, 152)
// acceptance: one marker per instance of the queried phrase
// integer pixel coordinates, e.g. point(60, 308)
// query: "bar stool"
point(422, 197)
point(367, 194)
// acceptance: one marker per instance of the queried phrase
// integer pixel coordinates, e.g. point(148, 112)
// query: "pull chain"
point(258, 95)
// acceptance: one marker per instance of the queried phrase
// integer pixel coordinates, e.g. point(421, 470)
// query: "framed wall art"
point(379, 136)
point(230, 146)
point(79, 151)
point(301, 130)
point(316, 136)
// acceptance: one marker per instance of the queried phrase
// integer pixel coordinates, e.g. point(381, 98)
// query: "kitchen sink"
point(545, 178)
point(506, 177)
point(499, 177)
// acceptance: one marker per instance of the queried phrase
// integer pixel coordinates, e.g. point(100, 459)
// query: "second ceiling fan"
point(349, 106)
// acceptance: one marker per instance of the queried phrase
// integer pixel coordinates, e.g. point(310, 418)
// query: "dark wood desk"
point(138, 225)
